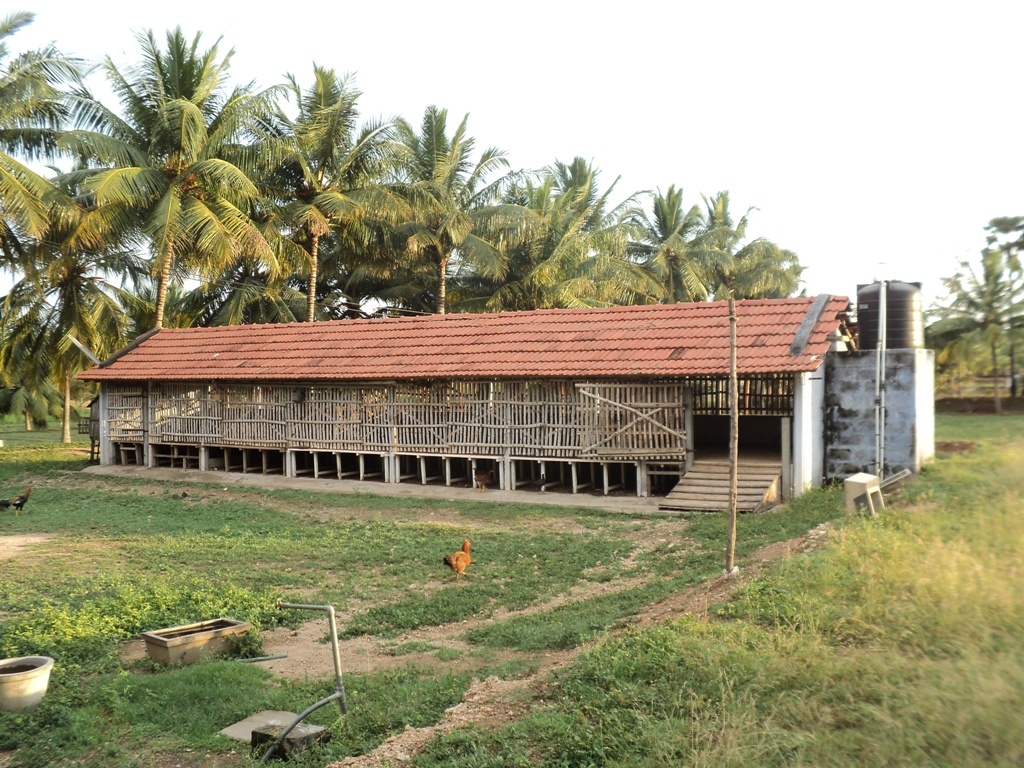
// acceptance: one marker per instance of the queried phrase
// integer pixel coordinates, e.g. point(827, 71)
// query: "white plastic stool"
point(862, 490)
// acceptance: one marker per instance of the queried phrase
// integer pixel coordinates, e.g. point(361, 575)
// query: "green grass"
point(898, 643)
point(122, 556)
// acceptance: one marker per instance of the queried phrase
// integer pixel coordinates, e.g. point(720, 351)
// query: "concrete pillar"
point(106, 447)
point(688, 427)
point(808, 426)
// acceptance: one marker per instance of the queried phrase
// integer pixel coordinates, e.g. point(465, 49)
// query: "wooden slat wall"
point(124, 413)
point(477, 422)
point(184, 413)
point(543, 419)
point(623, 420)
point(326, 418)
point(763, 395)
point(256, 416)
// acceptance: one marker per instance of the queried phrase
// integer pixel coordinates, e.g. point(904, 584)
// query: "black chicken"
point(18, 502)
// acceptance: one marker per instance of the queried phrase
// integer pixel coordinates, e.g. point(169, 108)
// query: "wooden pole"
point(734, 443)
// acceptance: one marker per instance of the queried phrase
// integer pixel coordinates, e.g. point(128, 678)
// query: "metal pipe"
point(329, 610)
point(340, 695)
point(879, 381)
point(264, 658)
point(883, 322)
point(339, 692)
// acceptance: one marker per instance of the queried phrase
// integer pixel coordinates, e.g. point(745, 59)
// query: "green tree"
point(331, 175)
point(178, 166)
point(575, 248)
point(457, 213)
point(983, 306)
point(30, 393)
point(244, 293)
point(758, 269)
point(65, 297)
point(31, 115)
point(665, 247)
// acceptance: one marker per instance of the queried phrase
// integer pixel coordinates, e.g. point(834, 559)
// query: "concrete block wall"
point(850, 411)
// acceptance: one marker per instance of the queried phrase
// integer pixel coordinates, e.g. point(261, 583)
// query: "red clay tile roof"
point(656, 340)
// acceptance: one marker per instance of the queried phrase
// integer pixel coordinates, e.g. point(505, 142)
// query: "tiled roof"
point(655, 340)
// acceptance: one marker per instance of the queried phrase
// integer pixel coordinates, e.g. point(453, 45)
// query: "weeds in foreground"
point(896, 644)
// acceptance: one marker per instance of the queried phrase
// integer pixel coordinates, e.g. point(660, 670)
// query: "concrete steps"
point(706, 486)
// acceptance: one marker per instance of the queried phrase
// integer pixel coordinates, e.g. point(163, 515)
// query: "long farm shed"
point(620, 399)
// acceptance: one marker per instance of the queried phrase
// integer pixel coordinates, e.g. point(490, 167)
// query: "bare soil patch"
point(950, 447)
point(14, 544)
point(979, 405)
point(492, 703)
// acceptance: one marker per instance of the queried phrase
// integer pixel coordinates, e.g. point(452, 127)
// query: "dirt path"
point(14, 544)
point(487, 703)
point(492, 703)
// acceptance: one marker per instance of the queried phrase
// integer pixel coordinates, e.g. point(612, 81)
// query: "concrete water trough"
point(189, 643)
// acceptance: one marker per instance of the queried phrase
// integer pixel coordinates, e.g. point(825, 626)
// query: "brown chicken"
point(18, 502)
point(483, 479)
point(458, 561)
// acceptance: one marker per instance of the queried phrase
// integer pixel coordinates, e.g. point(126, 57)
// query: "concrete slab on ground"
point(242, 730)
point(624, 504)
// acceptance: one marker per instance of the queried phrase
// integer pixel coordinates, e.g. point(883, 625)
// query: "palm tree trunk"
point(66, 434)
point(1013, 373)
point(995, 380)
point(442, 283)
point(161, 291)
point(28, 421)
point(314, 247)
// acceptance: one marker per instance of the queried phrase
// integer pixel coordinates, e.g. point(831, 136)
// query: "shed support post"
point(787, 458)
point(106, 446)
point(808, 434)
point(688, 427)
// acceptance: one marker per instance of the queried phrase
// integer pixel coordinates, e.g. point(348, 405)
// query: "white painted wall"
point(808, 426)
point(924, 409)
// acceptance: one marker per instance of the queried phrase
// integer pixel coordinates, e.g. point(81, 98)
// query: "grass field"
point(896, 643)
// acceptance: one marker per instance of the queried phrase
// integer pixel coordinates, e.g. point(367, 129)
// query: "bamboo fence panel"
point(623, 421)
point(761, 395)
point(617, 421)
point(184, 413)
point(420, 415)
point(543, 419)
point(377, 428)
point(325, 418)
point(477, 422)
point(124, 413)
point(256, 416)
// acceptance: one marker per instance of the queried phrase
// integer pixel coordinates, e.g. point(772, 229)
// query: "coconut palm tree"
point(330, 175)
point(65, 300)
point(178, 165)
point(982, 306)
point(758, 269)
point(30, 394)
point(458, 220)
point(665, 247)
point(31, 114)
point(574, 252)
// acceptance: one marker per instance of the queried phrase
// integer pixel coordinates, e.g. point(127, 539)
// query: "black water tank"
point(904, 319)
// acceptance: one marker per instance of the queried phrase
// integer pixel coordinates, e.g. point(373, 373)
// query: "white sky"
point(876, 139)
